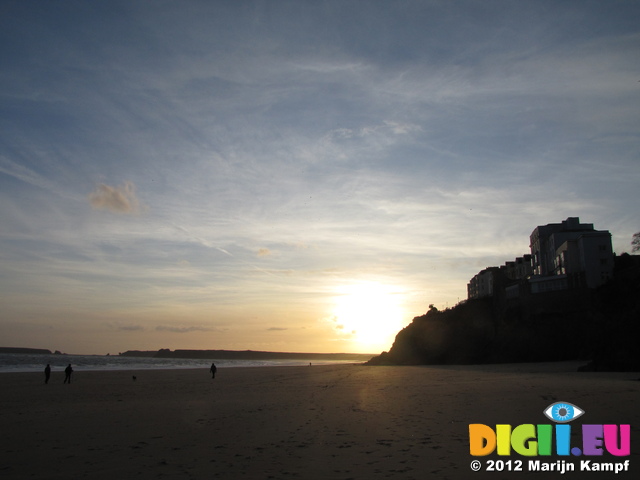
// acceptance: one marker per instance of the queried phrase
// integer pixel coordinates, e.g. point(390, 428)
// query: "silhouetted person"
point(67, 374)
point(47, 373)
point(213, 370)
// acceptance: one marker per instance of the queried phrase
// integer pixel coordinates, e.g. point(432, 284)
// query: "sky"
point(301, 176)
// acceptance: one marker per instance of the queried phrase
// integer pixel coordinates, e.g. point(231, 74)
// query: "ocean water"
point(18, 362)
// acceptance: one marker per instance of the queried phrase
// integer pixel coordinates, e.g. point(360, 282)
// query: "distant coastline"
point(31, 351)
point(245, 355)
point(213, 354)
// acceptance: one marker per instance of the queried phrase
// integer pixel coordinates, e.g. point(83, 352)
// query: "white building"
point(481, 285)
point(589, 254)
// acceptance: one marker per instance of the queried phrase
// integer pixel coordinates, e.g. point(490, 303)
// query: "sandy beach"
point(324, 422)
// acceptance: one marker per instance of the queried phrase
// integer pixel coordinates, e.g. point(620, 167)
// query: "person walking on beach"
point(67, 374)
point(213, 370)
point(47, 373)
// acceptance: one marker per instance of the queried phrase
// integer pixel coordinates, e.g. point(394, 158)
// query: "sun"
point(368, 314)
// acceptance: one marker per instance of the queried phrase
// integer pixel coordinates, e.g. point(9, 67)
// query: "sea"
point(21, 362)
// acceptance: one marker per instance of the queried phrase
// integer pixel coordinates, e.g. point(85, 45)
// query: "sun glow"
point(368, 314)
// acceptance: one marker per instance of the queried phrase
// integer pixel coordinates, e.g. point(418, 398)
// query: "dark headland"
point(599, 326)
point(28, 351)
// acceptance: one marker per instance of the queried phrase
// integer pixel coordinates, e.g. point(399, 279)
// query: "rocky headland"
point(600, 326)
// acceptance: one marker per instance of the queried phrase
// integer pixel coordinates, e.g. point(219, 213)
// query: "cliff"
point(599, 326)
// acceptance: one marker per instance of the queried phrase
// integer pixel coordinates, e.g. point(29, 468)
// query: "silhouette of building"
point(519, 269)
point(570, 254)
point(481, 285)
point(484, 283)
point(566, 255)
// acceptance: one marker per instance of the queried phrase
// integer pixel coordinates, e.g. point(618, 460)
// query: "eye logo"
point(563, 412)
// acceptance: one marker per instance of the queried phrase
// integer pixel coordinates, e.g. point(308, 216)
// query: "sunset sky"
point(296, 175)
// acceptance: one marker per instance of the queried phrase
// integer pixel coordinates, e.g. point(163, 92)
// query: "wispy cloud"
point(182, 329)
point(32, 177)
point(126, 327)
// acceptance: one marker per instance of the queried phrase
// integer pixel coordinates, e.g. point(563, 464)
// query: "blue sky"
point(251, 175)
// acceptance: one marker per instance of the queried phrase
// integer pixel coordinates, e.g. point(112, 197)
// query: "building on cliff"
point(570, 254)
point(484, 283)
point(564, 256)
point(571, 245)
point(481, 285)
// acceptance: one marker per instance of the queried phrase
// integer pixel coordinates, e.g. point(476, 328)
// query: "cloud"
point(126, 328)
point(115, 199)
point(264, 252)
point(23, 173)
point(276, 329)
point(383, 132)
point(166, 328)
point(131, 328)
point(31, 177)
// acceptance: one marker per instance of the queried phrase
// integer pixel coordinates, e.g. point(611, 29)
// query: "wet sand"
point(324, 422)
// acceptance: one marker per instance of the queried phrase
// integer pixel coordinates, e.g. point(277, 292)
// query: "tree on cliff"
point(635, 243)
